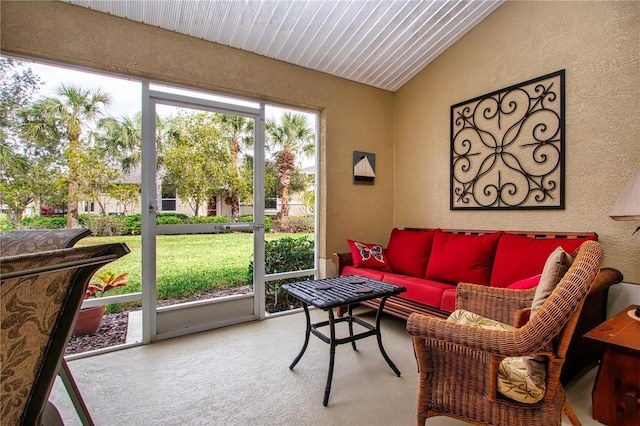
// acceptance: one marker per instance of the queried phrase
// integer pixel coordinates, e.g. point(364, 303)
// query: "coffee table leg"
point(306, 337)
point(332, 353)
point(350, 321)
point(378, 335)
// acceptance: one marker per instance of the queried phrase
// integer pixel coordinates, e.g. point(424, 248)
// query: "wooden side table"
point(616, 392)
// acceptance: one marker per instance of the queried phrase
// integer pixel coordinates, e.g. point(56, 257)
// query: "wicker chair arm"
point(500, 304)
point(499, 343)
point(340, 260)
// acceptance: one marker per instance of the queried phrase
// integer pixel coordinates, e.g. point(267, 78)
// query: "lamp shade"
point(627, 205)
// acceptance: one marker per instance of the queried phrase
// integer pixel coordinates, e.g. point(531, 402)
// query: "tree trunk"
point(285, 167)
point(72, 205)
point(15, 216)
point(284, 210)
point(235, 208)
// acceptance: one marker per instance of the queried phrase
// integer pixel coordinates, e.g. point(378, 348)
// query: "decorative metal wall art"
point(507, 148)
point(364, 168)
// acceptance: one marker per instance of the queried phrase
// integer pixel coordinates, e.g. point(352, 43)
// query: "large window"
point(108, 196)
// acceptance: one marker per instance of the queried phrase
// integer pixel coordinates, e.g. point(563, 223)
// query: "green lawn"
point(187, 264)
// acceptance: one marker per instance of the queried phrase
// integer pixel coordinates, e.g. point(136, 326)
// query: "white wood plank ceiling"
point(378, 43)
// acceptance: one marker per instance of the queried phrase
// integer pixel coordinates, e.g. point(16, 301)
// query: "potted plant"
point(89, 319)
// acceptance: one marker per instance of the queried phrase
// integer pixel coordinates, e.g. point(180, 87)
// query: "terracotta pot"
point(89, 320)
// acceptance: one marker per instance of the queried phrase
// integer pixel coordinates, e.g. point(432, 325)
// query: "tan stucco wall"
point(597, 43)
point(353, 116)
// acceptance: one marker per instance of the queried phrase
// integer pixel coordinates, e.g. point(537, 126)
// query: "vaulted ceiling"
point(378, 43)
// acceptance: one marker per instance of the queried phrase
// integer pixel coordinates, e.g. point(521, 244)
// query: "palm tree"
point(290, 137)
point(122, 139)
point(239, 132)
point(57, 123)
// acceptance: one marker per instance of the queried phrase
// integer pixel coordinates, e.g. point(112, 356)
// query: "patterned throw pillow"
point(513, 380)
point(367, 255)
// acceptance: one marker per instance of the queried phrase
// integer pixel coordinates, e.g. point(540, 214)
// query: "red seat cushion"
point(519, 257)
point(408, 251)
point(462, 258)
point(374, 274)
point(366, 255)
point(448, 300)
point(419, 290)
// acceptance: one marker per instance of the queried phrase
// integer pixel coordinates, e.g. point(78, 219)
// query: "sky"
point(126, 99)
point(126, 94)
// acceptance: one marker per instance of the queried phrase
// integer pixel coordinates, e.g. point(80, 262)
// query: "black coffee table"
point(330, 293)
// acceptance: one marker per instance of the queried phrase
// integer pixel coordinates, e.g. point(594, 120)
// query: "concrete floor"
point(240, 375)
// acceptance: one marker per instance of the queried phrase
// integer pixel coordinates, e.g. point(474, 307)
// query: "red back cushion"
point(366, 255)
point(519, 257)
point(462, 258)
point(408, 251)
point(526, 284)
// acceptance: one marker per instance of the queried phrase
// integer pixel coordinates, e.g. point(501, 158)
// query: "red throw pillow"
point(526, 284)
point(459, 258)
point(368, 256)
point(519, 257)
point(408, 251)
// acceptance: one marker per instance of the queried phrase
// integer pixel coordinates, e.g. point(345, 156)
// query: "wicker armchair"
point(458, 364)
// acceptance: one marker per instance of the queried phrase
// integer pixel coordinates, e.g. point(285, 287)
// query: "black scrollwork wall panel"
point(507, 148)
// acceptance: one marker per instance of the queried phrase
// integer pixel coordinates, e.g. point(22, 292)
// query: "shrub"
point(249, 218)
point(105, 226)
point(44, 222)
point(83, 220)
point(169, 220)
point(210, 219)
point(283, 255)
point(294, 224)
point(5, 223)
point(132, 225)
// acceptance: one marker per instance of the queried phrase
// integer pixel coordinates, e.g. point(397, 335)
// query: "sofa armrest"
point(340, 260)
point(500, 304)
point(605, 279)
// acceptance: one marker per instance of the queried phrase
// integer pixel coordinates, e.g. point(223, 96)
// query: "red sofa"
point(431, 262)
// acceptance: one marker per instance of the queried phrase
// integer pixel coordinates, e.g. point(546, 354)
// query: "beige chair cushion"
point(513, 380)
point(556, 266)
point(461, 316)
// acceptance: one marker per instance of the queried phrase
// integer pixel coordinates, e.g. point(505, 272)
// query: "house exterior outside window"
point(168, 203)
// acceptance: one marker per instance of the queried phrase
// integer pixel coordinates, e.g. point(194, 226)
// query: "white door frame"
point(172, 321)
